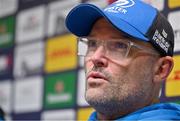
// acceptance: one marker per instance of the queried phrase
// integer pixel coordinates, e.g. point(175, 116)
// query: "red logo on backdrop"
point(3, 29)
point(177, 75)
point(59, 87)
point(61, 53)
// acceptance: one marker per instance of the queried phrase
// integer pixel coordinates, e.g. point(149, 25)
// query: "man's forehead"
point(104, 26)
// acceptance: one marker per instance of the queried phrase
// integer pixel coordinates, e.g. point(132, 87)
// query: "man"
point(128, 49)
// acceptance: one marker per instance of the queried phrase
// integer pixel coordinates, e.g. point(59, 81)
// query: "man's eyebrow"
point(121, 37)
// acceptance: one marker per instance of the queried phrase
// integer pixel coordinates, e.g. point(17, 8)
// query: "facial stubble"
point(117, 94)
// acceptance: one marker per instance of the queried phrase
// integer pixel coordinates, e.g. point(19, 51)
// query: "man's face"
point(112, 87)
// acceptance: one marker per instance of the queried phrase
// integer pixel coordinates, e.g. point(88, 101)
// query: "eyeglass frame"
point(128, 42)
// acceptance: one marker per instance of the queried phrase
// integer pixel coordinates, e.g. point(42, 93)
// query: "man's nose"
point(99, 57)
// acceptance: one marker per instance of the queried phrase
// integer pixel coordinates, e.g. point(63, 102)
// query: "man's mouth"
point(96, 75)
point(95, 79)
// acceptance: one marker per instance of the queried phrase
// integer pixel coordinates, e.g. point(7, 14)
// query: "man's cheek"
point(88, 66)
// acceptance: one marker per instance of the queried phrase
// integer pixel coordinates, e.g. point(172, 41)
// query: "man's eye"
point(119, 45)
point(92, 43)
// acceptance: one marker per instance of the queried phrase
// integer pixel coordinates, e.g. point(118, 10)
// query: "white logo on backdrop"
point(30, 24)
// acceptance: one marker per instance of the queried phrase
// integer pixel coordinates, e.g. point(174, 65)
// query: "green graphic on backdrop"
point(7, 31)
point(60, 90)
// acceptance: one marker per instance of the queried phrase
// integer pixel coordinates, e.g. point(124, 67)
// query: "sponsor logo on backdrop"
point(29, 59)
point(8, 7)
point(57, 14)
point(28, 94)
point(61, 55)
point(99, 3)
point(173, 81)
point(5, 95)
point(6, 32)
point(3, 63)
point(60, 90)
point(60, 96)
point(174, 18)
point(67, 114)
point(30, 24)
point(159, 4)
point(5, 66)
point(173, 3)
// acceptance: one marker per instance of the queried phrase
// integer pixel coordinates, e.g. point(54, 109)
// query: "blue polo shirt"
point(160, 112)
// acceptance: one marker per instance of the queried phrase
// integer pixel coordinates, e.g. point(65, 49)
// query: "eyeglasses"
point(117, 49)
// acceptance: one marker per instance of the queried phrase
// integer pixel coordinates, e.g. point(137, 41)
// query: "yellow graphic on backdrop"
point(61, 53)
point(173, 81)
point(173, 3)
point(84, 113)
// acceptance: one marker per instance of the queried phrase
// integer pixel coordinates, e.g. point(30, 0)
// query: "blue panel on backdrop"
point(24, 4)
point(27, 116)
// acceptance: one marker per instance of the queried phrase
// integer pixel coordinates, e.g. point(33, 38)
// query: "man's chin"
point(94, 95)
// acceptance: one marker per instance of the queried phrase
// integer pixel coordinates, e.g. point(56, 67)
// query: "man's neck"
point(105, 117)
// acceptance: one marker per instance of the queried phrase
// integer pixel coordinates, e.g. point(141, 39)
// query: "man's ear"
point(163, 68)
